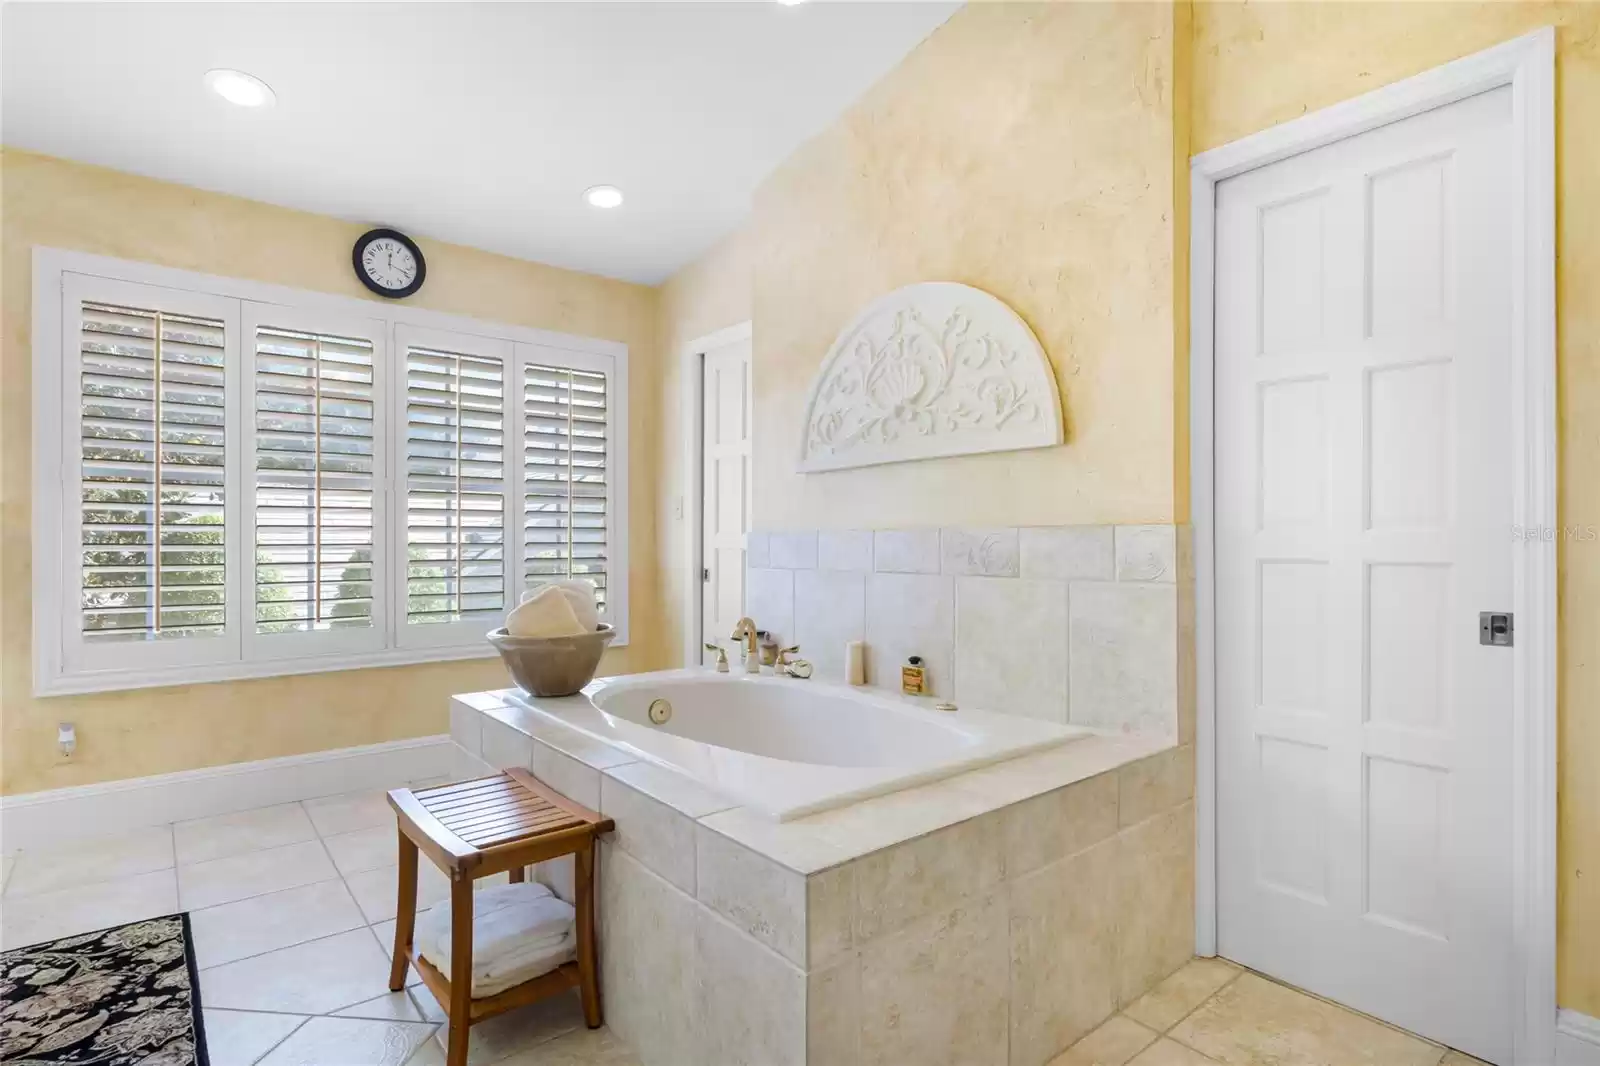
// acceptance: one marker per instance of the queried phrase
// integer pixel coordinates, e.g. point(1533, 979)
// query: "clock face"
point(388, 263)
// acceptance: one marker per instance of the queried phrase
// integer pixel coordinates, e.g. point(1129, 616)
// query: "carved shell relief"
point(930, 370)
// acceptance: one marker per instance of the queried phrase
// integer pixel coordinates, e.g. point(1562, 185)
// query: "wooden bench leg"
point(517, 874)
point(460, 1005)
point(588, 964)
point(405, 914)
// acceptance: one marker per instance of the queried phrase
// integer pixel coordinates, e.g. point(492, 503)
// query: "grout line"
point(1239, 971)
point(304, 1018)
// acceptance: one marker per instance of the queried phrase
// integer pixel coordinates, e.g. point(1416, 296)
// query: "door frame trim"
point(1527, 65)
point(691, 364)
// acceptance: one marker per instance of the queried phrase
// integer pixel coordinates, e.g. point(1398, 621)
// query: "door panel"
point(1363, 313)
point(726, 485)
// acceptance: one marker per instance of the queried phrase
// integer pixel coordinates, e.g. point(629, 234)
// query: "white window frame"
point(58, 664)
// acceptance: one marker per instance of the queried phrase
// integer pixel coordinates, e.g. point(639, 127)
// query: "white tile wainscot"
point(996, 916)
point(1076, 624)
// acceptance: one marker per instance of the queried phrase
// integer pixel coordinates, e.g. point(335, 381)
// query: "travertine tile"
point(884, 821)
point(1166, 1052)
point(348, 969)
point(240, 1038)
point(833, 1013)
point(757, 895)
point(1146, 553)
point(1157, 900)
point(1167, 1003)
point(575, 780)
point(49, 915)
point(350, 811)
point(911, 614)
point(350, 1040)
point(136, 851)
point(829, 611)
point(505, 746)
point(1041, 830)
point(377, 891)
point(581, 1047)
point(1068, 552)
point(905, 551)
point(364, 849)
point(1122, 656)
point(1063, 945)
point(525, 1030)
point(794, 845)
point(751, 1002)
point(844, 549)
point(648, 960)
point(682, 794)
point(1155, 784)
point(929, 875)
point(255, 873)
point(1011, 646)
point(1254, 1020)
point(830, 915)
point(391, 1006)
point(758, 549)
point(935, 993)
point(276, 920)
point(769, 599)
point(985, 552)
point(650, 831)
point(466, 726)
point(1117, 1040)
point(793, 550)
point(233, 834)
point(1453, 1057)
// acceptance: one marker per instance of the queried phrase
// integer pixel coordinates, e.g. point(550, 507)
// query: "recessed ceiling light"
point(791, 3)
point(603, 196)
point(237, 87)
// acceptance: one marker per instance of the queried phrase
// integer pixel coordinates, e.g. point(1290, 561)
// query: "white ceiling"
point(479, 123)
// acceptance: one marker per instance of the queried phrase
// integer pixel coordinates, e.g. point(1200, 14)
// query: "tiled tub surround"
point(1071, 624)
point(994, 917)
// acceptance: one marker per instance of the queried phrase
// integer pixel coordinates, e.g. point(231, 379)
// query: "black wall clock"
point(389, 263)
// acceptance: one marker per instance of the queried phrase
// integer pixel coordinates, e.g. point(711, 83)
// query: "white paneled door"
point(726, 488)
point(1363, 520)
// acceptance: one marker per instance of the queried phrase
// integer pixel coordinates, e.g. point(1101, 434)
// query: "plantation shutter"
point(565, 487)
point(455, 468)
point(152, 408)
point(315, 448)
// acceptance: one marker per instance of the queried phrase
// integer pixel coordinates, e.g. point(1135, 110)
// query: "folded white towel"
point(519, 931)
point(548, 613)
point(580, 594)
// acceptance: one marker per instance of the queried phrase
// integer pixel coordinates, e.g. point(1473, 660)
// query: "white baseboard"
point(1577, 1039)
point(36, 819)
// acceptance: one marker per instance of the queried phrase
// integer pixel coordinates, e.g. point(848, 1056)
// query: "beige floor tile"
point(1453, 1057)
point(364, 849)
point(1166, 1052)
point(1253, 1021)
point(521, 1030)
point(1166, 1004)
point(384, 931)
point(324, 975)
point(255, 873)
point(137, 851)
point(391, 1006)
point(350, 1042)
point(50, 915)
point(204, 839)
point(1117, 1040)
point(333, 815)
point(239, 1038)
point(377, 890)
point(277, 920)
point(583, 1047)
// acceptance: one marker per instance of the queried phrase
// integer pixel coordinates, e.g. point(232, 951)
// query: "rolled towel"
point(548, 613)
point(580, 594)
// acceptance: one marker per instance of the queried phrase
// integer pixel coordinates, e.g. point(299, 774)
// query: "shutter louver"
point(152, 405)
point(314, 481)
point(455, 487)
point(564, 476)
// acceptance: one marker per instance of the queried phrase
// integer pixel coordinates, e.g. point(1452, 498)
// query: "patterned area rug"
point(125, 996)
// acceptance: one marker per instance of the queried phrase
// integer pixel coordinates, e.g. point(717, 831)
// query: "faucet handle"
point(783, 654)
point(722, 657)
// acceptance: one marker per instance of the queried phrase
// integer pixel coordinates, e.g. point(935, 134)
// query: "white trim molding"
point(1527, 66)
point(1577, 1039)
point(39, 819)
point(691, 366)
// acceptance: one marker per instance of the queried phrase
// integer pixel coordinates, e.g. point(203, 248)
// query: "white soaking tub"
point(788, 747)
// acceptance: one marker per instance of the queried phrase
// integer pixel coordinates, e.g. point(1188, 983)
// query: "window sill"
point(118, 680)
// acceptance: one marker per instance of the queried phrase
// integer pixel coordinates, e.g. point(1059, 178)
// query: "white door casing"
point(1376, 788)
point(725, 452)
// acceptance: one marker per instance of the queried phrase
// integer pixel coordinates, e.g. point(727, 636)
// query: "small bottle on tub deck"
point(914, 677)
point(855, 662)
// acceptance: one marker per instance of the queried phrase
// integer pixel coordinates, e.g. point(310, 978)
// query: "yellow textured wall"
point(51, 202)
point(1255, 65)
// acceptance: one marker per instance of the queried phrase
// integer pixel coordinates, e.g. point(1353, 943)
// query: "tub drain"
point(660, 711)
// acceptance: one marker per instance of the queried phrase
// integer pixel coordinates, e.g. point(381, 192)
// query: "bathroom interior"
point(1071, 522)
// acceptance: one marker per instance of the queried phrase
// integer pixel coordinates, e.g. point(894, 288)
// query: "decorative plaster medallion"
point(930, 370)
